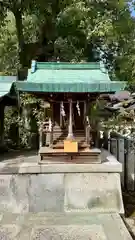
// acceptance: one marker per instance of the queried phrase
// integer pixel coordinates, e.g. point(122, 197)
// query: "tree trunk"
point(21, 44)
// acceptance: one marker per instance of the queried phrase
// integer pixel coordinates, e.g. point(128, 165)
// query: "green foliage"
point(23, 123)
point(71, 30)
point(101, 118)
point(9, 61)
point(35, 105)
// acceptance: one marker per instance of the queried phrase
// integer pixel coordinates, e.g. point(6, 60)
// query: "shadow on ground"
point(18, 155)
point(129, 218)
point(129, 203)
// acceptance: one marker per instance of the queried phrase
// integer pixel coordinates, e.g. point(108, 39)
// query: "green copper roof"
point(7, 85)
point(68, 77)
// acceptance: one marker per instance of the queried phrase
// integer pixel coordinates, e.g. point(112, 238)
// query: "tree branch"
point(9, 5)
point(5, 5)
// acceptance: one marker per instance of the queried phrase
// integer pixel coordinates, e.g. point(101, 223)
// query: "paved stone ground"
point(54, 226)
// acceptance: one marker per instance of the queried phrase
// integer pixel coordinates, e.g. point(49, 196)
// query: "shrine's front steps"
point(60, 226)
point(79, 137)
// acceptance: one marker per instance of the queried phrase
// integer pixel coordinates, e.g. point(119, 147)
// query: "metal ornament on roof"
point(62, 111)
point(78, 108)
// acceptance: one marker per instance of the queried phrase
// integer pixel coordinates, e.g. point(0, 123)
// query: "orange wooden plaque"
point(70, 146)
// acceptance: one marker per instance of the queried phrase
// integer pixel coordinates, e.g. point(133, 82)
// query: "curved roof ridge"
point(64, 66)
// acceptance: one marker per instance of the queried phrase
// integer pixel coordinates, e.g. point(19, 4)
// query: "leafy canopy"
point(71, 30)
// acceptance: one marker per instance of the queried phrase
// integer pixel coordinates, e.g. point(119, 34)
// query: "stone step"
point(56, 226)
point(79, 137)
point(60, 144)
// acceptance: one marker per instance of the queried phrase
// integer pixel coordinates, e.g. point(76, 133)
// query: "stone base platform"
point(56, 226)
point(85, 155)
point(55, 201)
point(85, 188)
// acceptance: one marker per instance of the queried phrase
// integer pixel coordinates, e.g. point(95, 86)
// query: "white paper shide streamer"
point(78, 108)
point(62, 111)
point(50, 125)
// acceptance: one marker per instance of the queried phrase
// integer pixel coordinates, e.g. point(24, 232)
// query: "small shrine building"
point(69, 89)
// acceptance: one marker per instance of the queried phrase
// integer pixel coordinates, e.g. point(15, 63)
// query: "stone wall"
point(123, 148)
point(61, 192)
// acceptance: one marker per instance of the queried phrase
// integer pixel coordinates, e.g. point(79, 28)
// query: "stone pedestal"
point(82, 188)
point(62, 201)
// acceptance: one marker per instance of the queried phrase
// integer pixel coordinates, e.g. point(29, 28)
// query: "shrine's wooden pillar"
point(87, 122)
point(94, 121)
point(61, 104)
point(51, 125)
point(40, 137)
point(85, 113)
point(2, 107)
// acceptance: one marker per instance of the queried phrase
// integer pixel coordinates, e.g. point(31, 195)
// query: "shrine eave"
point(72, 87)
point(7, 86)
point(61, 77)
